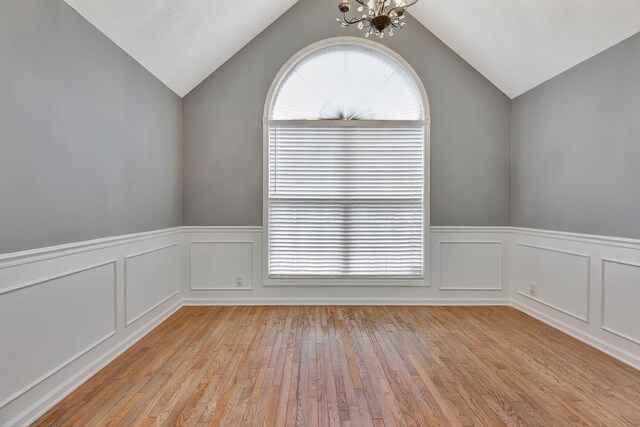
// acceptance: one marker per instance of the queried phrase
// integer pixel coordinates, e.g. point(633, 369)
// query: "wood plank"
point(355, 366)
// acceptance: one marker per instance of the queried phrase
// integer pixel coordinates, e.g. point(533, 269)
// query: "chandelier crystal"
point(375, 16)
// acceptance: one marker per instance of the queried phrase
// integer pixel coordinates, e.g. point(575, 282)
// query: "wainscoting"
point(471, 262)
point(587, 286)
point(66, 311)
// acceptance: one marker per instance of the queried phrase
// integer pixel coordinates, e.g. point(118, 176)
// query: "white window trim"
point(355, 281)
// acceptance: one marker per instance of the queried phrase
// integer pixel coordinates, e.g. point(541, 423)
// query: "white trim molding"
point(587, 284)
point(627, 357)
point(78, 296)
point(41, 254)
point(222, 229)
point(66, 387)
point(603, 327)
point(46, 279)
point(366, 282)
point(426, 302)
point(596, 239)
point(579, 309)
point(82, 352)
point(425, 122)
point(127, 258)
point(469, 229)
point(635, 304)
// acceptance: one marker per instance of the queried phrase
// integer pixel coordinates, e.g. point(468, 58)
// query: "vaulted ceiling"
point(515, 44)
point(181, 42)
point(518, 44)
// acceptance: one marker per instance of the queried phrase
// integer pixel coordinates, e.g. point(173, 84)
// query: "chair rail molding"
point(78, 295)
point(587, 286)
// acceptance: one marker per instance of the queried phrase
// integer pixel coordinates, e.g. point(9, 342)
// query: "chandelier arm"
point(353, 21)
point(396, 9)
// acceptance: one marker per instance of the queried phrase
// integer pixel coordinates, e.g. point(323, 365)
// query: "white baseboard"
point(613, 351)
point(81, 299)
point(575, 293)
point(348, 301)
point(40, 407)
point(47, 402)
point(453, 274)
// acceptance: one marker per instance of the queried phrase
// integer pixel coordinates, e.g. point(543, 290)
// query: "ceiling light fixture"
point(375, 16)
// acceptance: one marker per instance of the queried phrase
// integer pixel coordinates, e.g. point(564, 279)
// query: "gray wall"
point(89, 140)
point(222, 125)
point(576, 148)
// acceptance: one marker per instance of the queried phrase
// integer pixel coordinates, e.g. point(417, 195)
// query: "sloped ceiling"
point(181, 42)
point(516, 44)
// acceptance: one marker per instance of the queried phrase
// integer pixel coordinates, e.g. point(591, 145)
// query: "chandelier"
point(375, 16)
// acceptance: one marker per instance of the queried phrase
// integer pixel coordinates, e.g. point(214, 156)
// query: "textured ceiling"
point(181, 42)
point(516, 44)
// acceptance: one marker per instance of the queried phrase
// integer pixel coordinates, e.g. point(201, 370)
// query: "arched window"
point(346, 131)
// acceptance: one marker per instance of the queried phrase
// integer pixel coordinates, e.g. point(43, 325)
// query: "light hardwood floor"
point(355, 366)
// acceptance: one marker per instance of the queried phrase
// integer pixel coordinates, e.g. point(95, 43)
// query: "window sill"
point(355, 282)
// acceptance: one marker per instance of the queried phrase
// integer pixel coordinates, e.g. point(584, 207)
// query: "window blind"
point(345, 201)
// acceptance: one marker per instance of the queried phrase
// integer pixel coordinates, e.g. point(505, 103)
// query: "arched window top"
point(346, 167)
point(346, 81)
